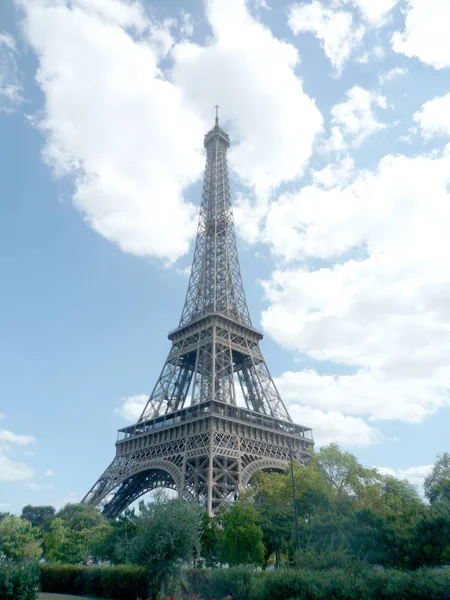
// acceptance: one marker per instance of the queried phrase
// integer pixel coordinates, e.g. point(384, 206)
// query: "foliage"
point(80, 517)
point(241, 540)
point(437, 483)
point(39, 516)
point(123, 582)
point(19, 539)
point(210, 540)
point(109, 539)
point(76, 532)
point(18, 581)
point(167, 532)
point(330, 584)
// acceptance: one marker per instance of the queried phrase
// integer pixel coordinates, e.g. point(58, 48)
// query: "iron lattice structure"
point(195, 435)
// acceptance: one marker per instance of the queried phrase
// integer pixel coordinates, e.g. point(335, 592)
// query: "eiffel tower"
point(215, 416)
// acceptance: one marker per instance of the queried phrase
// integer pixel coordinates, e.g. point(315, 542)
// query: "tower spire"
point(217, 115)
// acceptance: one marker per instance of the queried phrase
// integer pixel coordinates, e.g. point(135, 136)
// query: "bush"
point(121, 582)
point(332, 584)
point(220, 583)
point(18, 581)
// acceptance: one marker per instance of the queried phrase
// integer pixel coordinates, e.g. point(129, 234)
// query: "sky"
point(339, 117)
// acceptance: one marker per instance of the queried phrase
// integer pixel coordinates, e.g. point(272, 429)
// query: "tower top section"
point(217, 133)
point(215, 284)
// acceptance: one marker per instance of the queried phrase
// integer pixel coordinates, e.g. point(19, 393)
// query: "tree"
point(19, 540)
point(76, 532)
point(80, 517)
point(342, 470)
point(167, 532)
point(210, 540)
point(437, 483)
point(39, 516)
point(109, 540)
point(242, 537)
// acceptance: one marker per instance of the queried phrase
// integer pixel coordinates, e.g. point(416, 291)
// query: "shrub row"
point(122, 582)
point(18, 581)
point(333, 584)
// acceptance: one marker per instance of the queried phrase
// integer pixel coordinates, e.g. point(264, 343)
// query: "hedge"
point(129, 583)
point(333, 584)
point(18, 581)
point(117, 583)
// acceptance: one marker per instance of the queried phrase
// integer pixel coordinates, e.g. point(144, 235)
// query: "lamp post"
point(297, 535)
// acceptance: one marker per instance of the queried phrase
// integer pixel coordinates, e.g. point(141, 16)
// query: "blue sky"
point(338, 113)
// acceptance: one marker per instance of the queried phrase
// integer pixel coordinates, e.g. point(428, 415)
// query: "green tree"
point(39, 516)
point(210, 537)
point(80, 517)
point(109, 540)
point(437, 483)
point(76, 532)
point(167, 532)
point(19, 540)
point(63, 545)
point(242, 536)
point(342, 470)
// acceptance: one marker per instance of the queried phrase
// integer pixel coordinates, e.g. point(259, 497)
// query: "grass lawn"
point(62, 597)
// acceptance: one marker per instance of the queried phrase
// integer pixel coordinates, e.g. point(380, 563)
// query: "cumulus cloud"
point(49, 473)
point(331, 426)
point(114, 123)
point(391, 74)
point(434, 117)
point(39, 487)
point(426, 32)
point(374, 12)
point(132, 407)
point(335, 29)
point(12, 470)
point(335, 174)
point(10, 86)
point(354, 120)
point(379, 305)
point(130, 135)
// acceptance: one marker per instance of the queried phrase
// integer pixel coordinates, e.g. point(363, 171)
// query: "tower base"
point(207, 453)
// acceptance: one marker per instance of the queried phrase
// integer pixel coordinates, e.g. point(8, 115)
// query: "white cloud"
point(333, 426)
point(266, 115)
point(14, 438)
point(187, 24)
point(131, 138)
point(261, 4)
point(391, 74)
point(415, 475)
point(374, 12)
point(380, 303)
point(426, 32)
point(434, 117)
point(114, 123)
point(132, 407)
point(39, 487)
point(10, 87)
point(10, 469)
point(335, 174)
point(354, 120)
point(49, 473)
point(335, 29)
point(4, 506)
